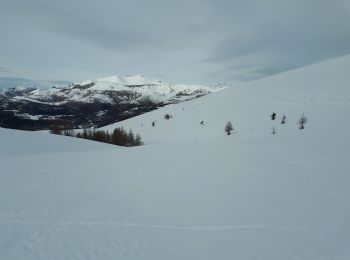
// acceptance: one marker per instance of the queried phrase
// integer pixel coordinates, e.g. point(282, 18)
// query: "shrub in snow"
point(228, 127)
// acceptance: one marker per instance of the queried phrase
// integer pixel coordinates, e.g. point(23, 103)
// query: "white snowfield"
point(192, 192)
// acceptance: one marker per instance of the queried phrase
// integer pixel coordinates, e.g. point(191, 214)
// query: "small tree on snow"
point(302, 121)
point(167, 116)
point(228, 127)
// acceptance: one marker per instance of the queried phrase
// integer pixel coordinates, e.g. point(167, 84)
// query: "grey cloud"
point(5, 70)
point(184, 40)
point(306, 34)
point(119, 25)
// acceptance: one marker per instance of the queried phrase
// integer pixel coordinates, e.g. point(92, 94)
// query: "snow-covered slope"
point(321, 91)
point(192, 192)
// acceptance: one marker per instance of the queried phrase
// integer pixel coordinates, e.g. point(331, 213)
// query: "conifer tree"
point(138, 140)
point(130, 138)
point(228, 127)
point(302, 121)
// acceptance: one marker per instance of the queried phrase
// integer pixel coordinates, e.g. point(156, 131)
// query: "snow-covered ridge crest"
point(156, 90)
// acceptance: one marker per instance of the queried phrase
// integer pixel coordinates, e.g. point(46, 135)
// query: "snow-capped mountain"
point(92, 102)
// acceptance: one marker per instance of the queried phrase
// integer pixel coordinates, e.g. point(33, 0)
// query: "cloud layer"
point(193, 41)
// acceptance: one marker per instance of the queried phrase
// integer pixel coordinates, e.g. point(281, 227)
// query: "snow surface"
point(192, 192)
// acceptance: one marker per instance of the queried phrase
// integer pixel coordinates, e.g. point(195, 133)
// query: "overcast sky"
point(189, 41)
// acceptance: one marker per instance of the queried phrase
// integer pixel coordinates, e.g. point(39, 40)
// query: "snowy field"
point(192, 192)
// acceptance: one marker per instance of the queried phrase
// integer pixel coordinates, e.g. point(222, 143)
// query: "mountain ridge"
point(91, 103)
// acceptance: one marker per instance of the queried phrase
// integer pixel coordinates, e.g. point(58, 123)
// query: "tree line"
point(119, 136)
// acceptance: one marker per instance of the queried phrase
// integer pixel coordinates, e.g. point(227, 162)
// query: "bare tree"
point(228, 127)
